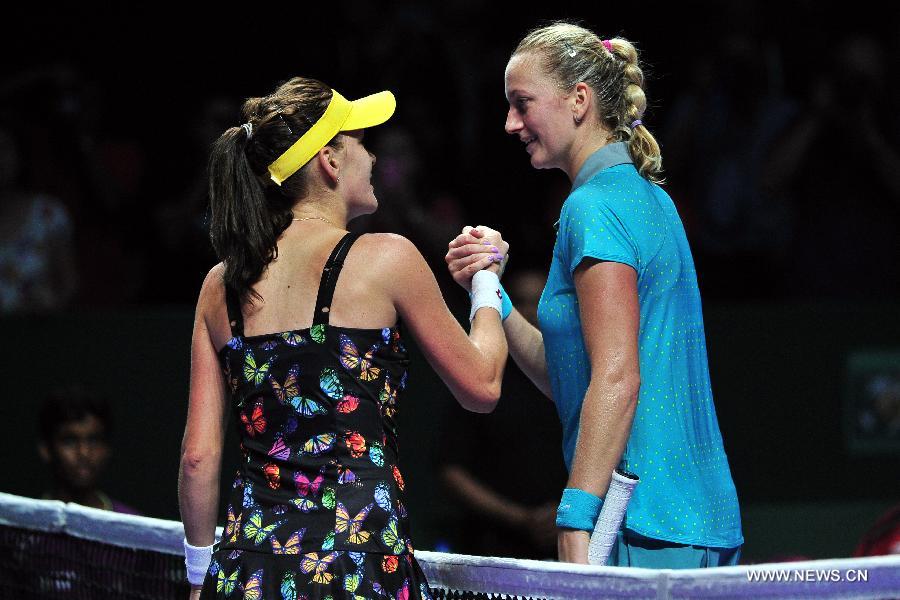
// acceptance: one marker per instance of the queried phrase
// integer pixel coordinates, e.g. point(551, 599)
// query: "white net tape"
point(862, 578)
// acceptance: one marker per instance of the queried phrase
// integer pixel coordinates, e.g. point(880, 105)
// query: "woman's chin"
point(361, 209)
point(538, 162)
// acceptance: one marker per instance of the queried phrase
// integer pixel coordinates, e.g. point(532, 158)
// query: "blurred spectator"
point(503, 470)
point(412, 204)
point(883, 537)
point(84, 153)
point(183, 253)
point(37, 270)
point(74, 442)
point(719, 137)
point(880, 416)
point(839, 163)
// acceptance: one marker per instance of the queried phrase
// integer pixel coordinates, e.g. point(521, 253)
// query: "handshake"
point(474, 249)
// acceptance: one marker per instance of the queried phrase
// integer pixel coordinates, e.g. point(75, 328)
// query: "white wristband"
point(486, 292)
point(197, 559)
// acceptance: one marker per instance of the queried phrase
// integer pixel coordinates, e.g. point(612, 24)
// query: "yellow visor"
point(341, 115)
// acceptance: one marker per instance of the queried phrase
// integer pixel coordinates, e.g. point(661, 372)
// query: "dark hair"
point(65, 405)
point(249, 211)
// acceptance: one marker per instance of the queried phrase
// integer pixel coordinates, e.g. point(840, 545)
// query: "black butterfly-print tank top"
point(315, 409)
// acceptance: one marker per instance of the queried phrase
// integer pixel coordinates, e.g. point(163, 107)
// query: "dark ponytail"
point(249, 211)
point(243, 228)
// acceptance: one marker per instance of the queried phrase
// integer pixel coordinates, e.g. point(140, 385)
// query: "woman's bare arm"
point(526, 344)
point(201, 448)
point(470, 365)
point(610, 320)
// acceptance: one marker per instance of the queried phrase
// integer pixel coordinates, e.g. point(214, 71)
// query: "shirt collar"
point(609, 155)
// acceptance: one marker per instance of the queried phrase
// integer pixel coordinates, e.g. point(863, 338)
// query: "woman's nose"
point(513, 121)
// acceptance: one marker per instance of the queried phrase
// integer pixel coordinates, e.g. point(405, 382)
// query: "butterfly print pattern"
point(318, 499)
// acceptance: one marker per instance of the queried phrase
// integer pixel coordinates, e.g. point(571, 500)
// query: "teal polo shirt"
point(686, 494)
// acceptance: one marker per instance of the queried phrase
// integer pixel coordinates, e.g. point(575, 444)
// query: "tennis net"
point(49, 549)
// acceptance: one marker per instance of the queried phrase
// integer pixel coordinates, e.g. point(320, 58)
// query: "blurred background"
point(781, 143)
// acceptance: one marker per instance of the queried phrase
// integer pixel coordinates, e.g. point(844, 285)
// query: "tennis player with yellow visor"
point(341, 115)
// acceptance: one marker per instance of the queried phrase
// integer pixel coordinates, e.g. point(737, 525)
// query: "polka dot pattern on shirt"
point(686, 494)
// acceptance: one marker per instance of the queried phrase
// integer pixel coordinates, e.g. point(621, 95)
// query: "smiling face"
point(540, 114)
point(356, 175)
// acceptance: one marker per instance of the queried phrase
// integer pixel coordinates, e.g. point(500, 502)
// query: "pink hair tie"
point(608, 45)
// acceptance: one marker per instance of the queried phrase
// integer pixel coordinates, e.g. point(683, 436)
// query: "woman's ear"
point(582, 99)
point(329, 161)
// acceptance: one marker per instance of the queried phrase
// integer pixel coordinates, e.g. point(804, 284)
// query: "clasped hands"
point(474, 249)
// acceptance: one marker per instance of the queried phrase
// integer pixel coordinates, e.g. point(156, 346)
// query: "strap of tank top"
point(235, 318)
point(330, 276)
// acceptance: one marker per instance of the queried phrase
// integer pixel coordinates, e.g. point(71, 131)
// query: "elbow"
point(480, 391)
point(482, 399)
point(492, 391)
point(490, 395)
point(196, 461)
point(482, 408)
point(489, 400)
point(451, 475)
point(626, 386)
point(482, 404)
point(629, 389)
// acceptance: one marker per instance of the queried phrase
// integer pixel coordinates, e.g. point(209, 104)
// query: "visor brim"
point(370, 111)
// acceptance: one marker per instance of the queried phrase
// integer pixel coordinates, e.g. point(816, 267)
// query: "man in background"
point(75, 427)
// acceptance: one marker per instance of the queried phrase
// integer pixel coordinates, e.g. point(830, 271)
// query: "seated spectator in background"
point(37, 270)
point(74, 442)
point(503, 470)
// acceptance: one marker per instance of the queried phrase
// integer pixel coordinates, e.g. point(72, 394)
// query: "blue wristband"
point(578, 509)
point(506, 304)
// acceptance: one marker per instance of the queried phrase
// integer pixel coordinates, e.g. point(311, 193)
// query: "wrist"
point(572, 534)
point(578, 510)
point(486, 293)
point(506, 305)
point(197, 559)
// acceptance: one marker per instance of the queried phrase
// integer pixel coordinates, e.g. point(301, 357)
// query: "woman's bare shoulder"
point(387, 244)
point(213, 287)
point(212, 293)
point(390, 249)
